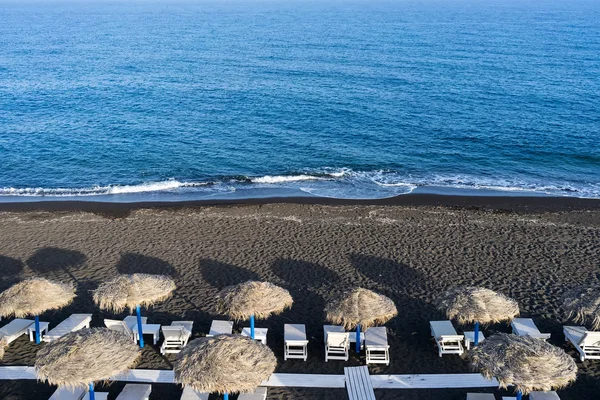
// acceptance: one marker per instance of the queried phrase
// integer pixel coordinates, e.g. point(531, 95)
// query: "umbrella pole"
point(92, 394)
point(37, 329)
point(225, 396)
point(519, 395)
point(476, 334)
point(139, 324)
point(358, 338)
point(252, 326)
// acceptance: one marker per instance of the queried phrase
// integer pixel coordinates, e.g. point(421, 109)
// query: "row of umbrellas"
point(233, 363)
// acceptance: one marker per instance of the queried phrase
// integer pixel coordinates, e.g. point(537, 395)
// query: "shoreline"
point(508, 204)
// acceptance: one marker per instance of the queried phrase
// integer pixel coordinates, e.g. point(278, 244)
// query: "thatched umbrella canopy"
point(133, 291)
point(33, 297)
point(83, 357)
point(224, 364)
point(130, 291)
point(360, 308)
point(253, 299)
point(583, 305)
point(522, 361)
point(468, 304)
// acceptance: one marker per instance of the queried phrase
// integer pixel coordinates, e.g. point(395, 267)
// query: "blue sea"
point(172, 100)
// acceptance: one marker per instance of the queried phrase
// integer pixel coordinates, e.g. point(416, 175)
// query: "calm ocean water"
point(351, 100)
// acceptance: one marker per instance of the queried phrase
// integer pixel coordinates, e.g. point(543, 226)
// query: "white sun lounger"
point(376, 344)
point(295, 342)
point(176, 336)
point(218, 327)
point(130, 323)
point(74, 323)
point(586, 342)
point(543, 396)
point(65, 393)
point(446, 338)
point(191, 394)
point(526, 327)
point(260, 334)
point(115, 325)
point(259, 394)
point(135, 391)
point(480, 396)
point(97, 396)
point(337, 343)
point(15, 328)
point(125, 326)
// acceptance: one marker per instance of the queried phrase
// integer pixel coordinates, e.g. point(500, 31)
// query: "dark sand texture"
point(407, 253)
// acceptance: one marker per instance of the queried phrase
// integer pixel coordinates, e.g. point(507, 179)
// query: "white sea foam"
point(100, 190)
point(285, 178)
point(151, 187)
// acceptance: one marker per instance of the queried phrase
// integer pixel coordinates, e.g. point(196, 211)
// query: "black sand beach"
point(409, 248)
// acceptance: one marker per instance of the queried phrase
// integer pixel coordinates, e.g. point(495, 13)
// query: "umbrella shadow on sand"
point(134, 263)
point(10, 268)
point(221, 275)
point(51, 262)
point(303, 274)
point(387, 273)
point(307, 283)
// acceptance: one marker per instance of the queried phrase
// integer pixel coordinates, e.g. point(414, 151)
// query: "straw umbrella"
point(522, 361)
point(83, 357)
point(360, 308)
point(477, 305)
point(253, 299)
point(583, 304)
point(33, 297)
point(133, 291)
point(224, 364)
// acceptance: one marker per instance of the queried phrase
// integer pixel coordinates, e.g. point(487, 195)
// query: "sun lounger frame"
point(65, 393)
point(295, 342)
point(526, 327)
point(220, 327)
point(15, 329)
point(259, 394)
point(337, 348)
point(73, 323)
point(588, 345)
point(135, 391)
point(376, 345)
point(191, 394)
point(480, 396)
point(446, 338)
point(172, 344)
point(543, 396)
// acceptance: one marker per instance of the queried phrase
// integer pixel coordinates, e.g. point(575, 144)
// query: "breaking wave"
point(326, 182)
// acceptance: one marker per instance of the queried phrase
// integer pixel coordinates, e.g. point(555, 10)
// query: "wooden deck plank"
point(17, 372)
point(431, 381)
point(146, 375)
point(305, 380)
point(368, 384)
point(351, 385)
point(358, 383)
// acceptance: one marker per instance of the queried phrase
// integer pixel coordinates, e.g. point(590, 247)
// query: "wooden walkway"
point(424, 381)
point(358, 383)
point(305, 380)
point(432, 381)
point(14, 373)
point(146, 376)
